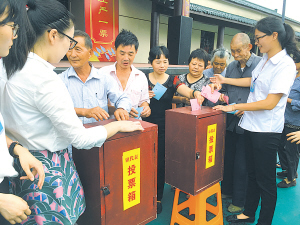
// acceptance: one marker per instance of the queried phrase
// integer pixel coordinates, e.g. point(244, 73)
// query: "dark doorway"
point(207, 41)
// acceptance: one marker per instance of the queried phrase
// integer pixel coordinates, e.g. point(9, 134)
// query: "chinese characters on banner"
point(102, 24)
point(131, 178)
point(211, 145)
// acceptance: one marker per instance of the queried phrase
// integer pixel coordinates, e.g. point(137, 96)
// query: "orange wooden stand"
point(197, 205)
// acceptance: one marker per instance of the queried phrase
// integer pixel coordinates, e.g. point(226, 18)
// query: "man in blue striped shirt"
point(89, 89)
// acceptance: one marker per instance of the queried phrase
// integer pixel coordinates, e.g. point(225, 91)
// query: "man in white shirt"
point(88, 88)
point(130, 80)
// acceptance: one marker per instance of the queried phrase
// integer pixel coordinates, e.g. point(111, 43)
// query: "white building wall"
point(135, 15)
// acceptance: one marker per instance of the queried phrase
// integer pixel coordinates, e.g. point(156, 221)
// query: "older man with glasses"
point(234, 182)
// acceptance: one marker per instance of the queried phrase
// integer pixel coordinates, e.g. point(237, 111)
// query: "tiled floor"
point(287, 209)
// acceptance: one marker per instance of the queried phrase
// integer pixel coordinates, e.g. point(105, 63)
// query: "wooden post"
point(221, 31)
point(154, 38)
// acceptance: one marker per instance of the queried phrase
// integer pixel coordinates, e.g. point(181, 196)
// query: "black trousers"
point(161, 161)
point(4, 189)
point(235, 170)
point(261, 155)
point(289, 154)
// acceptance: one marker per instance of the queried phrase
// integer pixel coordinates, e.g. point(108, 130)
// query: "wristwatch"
point(12, 147)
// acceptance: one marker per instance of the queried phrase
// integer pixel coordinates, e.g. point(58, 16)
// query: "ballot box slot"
point(194, 148)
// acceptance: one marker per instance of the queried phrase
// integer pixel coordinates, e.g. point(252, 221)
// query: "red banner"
point(102, 24)
point(186, 8)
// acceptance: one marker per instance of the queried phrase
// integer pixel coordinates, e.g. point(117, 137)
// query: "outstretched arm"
point(122, 126)
point(267, 104)
point(189, 93)
point(241, 82)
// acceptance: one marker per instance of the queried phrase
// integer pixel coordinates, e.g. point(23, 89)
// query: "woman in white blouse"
point(39, 112)
point(13, 209)
point(263, 118)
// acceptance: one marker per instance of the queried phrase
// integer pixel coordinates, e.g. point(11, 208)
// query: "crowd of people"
point(41, 110)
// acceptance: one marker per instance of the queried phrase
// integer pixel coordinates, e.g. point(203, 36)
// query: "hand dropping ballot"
point(226, 98)
point(159, 91)
point(140, 110)
point(206, 93)
point(195, 105)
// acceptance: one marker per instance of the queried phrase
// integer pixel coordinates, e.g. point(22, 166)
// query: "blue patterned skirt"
point(61, 200)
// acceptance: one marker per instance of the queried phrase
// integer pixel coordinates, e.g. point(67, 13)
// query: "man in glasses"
point(235, 172)
point(89, 89)
point(219, 61)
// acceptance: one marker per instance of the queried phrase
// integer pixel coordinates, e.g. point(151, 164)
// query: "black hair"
point(200, 54)
point(156, 52)
point(18, 53)
point(126, 38)
point(11, 8)
point(209, 57)
point(50, 14)
point(286, 34)
point(87, 39)
point(41, 15)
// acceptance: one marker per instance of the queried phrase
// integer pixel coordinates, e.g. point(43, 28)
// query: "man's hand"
point(294, 136)
point(151, 94)
point(221, 98)
point(28, 162)
point(97, 113)
point(215, 86)
point(146, 111)
point(185, 100)
point(133, 113)
point(239, 113)
point(13, 208)
point(217, 79)
point(289, 100)
point(121, 114)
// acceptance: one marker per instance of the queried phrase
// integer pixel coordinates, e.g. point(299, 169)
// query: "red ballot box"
point(194, 148)
point(119, 179)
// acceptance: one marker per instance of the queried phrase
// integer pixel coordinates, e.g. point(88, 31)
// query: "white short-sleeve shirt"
point(136, 87)
point(6, 161)
point(275, 76)
point(39, 112)
point(3, 77)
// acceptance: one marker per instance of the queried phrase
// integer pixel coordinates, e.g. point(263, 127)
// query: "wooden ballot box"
point(119, 179)
point(194, 148)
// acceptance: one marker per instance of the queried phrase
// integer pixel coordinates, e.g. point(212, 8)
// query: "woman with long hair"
point(263, 118)
point(13, 209)
point(39, 113)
